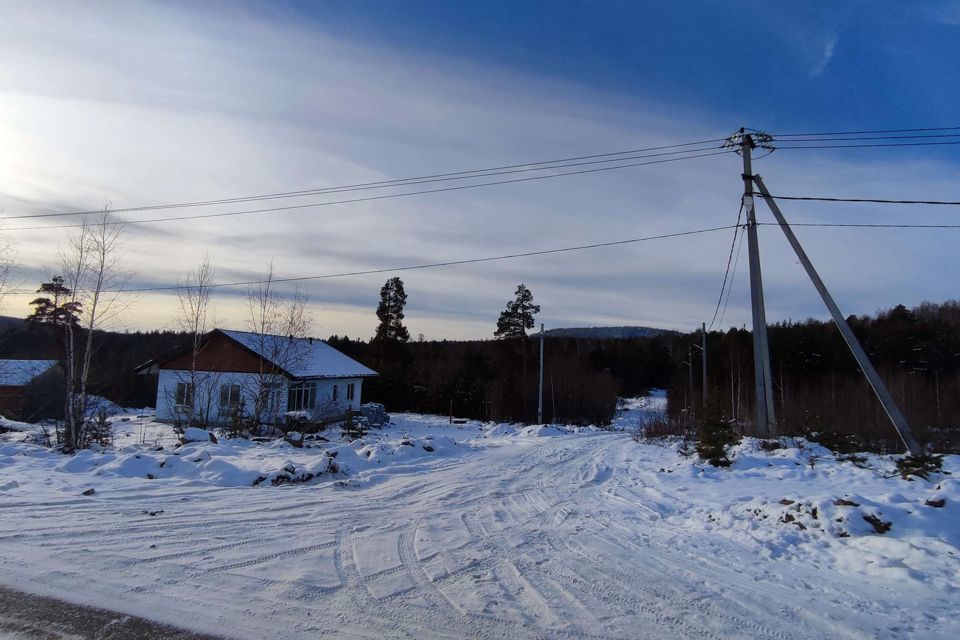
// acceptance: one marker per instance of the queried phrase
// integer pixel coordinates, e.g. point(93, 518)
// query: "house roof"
point(17, 373)
point(301, 357)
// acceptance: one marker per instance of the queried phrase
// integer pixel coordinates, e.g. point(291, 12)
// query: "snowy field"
point(431, 530)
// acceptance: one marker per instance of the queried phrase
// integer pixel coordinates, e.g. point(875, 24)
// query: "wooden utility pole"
point(766, 422)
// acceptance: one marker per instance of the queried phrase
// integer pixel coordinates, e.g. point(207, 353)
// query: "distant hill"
point(608, 333)
point(8, 322)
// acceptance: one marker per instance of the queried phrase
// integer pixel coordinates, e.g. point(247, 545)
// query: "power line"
point(838, 139)
point(431, 265)
point(870, 200)
point(851, 133)
point(867, 225)
point(854, 146)
point(439, 177)
point(726, 274)
point(373, 198)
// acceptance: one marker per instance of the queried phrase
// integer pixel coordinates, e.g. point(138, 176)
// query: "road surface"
point(559, 537)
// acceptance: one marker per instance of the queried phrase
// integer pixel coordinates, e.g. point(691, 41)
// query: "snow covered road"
point(555, 537)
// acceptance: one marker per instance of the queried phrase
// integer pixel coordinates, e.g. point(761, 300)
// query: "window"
point(229, 396)
point(351, 392)
point(302, 396)
point(334, 393)
point(184, 394)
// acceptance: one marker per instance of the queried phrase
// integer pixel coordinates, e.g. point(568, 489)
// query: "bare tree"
point(194, 291)
point(7, 261)
point(276, 322)
point(91, 266)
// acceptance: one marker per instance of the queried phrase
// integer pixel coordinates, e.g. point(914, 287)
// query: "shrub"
point(353, 427)
point(97, 430)
point(921, 466)
point(715, 434)
point(660, 426)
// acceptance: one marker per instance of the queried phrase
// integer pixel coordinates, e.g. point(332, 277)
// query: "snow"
point(434, 530)
point(636, 412)
point(193, 434)
point(17, 373)
point(98, 404)
point(305, 358)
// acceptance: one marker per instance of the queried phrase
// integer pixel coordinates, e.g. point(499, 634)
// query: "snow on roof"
point(301, 357)
point(17, 373)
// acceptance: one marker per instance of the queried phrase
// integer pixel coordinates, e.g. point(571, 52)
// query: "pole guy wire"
point(726, 274)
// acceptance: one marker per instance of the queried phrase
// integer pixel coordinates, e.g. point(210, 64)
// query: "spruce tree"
point(518, 316)
point(715, 434)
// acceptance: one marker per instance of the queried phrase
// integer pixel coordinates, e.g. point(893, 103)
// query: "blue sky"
point(774, 64)
point(147, 102)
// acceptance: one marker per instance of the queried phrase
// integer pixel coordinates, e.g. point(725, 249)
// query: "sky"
point(142, 103)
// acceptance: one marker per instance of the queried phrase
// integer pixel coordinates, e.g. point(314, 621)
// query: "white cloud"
point(826, 55)
point(147, 103)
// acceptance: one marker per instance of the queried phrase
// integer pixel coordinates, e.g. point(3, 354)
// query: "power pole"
point(766, 422)
point(891, 408)
point(540, 403)
point(703, 348)
point(690, 372)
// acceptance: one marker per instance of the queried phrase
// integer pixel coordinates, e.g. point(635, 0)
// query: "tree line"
point(818, 387)
point(819, 390)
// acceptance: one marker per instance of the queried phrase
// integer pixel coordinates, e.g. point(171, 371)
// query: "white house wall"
point(208, 390)
point(325, 395)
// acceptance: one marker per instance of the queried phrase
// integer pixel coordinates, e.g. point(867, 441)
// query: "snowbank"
point(803, 501)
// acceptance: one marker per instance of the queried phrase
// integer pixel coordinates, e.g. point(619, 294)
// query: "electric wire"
point(439, 177)
point(844, 138)
point(726, 274)
point(851, 133)
point(866, 225)
point(857, 146)
point(868, 200)
point(374, 198)
point(447, 263)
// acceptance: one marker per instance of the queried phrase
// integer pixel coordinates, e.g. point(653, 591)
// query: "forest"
point(819, 389)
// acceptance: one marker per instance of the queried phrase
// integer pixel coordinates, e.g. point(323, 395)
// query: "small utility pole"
point(766, 423)
point(540, 402)
point(690, 371)
point(703, 361)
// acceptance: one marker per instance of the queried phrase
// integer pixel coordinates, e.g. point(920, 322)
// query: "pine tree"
point(56, 308)
point(390, 312)
point(518, 316)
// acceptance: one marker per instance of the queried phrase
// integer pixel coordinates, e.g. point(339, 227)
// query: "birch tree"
point(276, 321)
point(90, 263)
point(7, 260)
point(194, 289)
